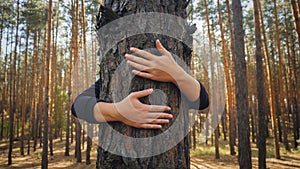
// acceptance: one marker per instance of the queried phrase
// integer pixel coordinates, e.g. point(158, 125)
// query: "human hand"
point(134, 113)
point(159, 68)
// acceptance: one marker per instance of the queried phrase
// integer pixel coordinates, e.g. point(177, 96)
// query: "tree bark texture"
point(261, 95)
point(244, 150)
point(176, 157)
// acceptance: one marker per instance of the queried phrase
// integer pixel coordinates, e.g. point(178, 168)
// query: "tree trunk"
point(4, 102)
point(176, 157)
point(34, 89)
point(295, 83)
point(281, 90)
point(232, 117)
point(24, 93)
point(261, 95)
point(271, 84)
point(225, 62)
point(296, 17)
point(244, 154)
point(44, 163)
point(12, 89)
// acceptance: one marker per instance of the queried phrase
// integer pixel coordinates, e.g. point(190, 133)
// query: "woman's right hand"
point(135, 113)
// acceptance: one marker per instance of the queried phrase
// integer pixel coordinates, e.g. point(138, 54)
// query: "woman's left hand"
point(159, 68)
point(164, 69)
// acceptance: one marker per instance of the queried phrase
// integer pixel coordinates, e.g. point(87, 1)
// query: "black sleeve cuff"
point(83, 108)
point(202, 102)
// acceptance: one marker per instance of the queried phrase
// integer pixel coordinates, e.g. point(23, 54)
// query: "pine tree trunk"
point(176, 157)
point(262, 99)
point(244, 151)
point(4, 102)
point(213, 82)
point(271, 84)
point(24, 92)
point(296, 17)
point(281, 90)
point(295, 94)
point(232, 122)
point(34, 89)
point(44, 163)
point(226, 70)
point(13, 89)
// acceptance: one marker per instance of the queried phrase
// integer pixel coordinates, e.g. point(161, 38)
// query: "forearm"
point(189, 86)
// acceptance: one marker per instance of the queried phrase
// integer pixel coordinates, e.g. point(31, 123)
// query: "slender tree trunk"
point(271, 84)
point(24, 93)
point(12, 89)
point(296, 17)
point(69, 122)
point(4, 101)
point(294, 93)
point(213, 81)
point(44, 163)
point(281, 90)
point(232, 117)
point(244, 154)
point(262, 99)
point(226, 70)
point(34, 89)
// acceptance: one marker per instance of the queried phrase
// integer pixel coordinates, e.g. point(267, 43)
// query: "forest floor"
point(201, 158)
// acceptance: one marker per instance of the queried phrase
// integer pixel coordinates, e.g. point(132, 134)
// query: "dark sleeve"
point(83, 106)
point(202, 102)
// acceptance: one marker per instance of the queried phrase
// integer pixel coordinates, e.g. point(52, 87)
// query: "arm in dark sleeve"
point(202, 102)
point(83, 106)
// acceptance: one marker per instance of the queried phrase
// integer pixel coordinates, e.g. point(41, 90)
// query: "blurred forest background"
point(47, 46)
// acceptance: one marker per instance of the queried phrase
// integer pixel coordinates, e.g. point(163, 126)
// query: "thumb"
point(161, 48)
point(142, 93)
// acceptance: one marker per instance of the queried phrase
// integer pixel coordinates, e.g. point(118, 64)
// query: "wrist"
point(106, 112)
point(179, 76)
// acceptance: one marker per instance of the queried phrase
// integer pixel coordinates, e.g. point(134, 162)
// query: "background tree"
point(262, 99)
point(241, 88)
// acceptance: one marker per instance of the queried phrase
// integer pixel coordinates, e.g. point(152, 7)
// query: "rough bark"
point(44, 163)
point(176, 157)
point(244, 150)
point(261, 95)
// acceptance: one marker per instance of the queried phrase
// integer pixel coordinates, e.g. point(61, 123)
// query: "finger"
point(143, 74)
point(137, 59)
point(158, 108)
point(150, 126)
point(142, 93)
point(137, 65)
point(159, 116)
point(160, 121)
point(161, 48)
point(142, 53)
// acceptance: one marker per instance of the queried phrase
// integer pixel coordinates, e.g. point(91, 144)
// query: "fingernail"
point(150, 90)
point(158, 40)
point(133, 49)
point(168, 108)
point(160, 126)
